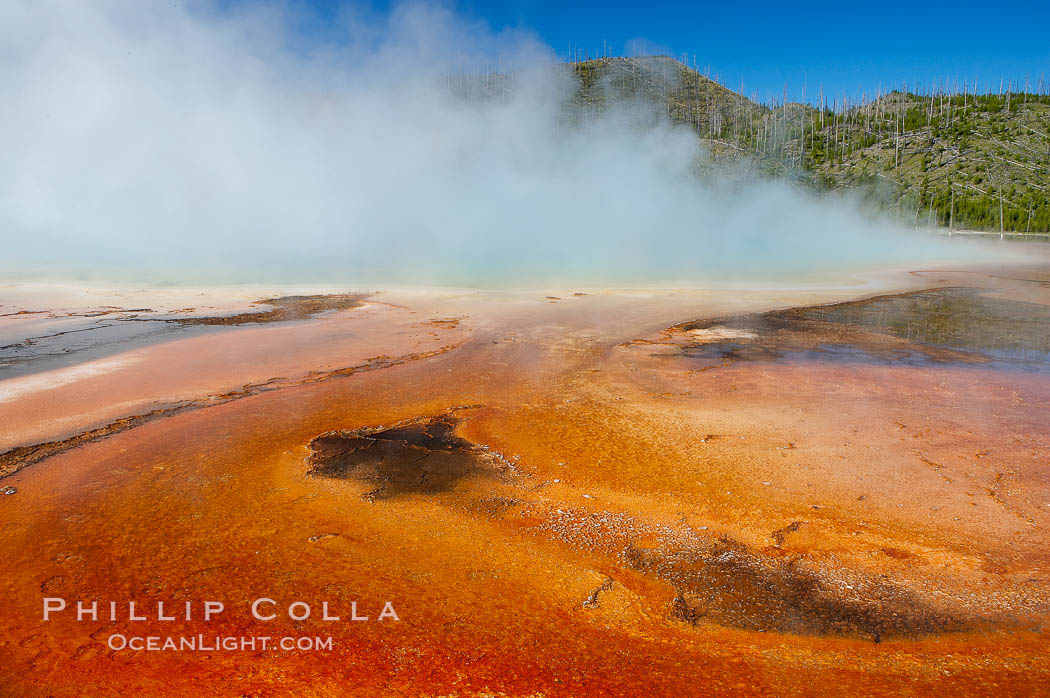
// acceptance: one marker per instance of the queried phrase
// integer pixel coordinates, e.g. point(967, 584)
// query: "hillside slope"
point(980, 162)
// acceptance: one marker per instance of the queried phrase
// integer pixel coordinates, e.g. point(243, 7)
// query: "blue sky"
point(846, 47)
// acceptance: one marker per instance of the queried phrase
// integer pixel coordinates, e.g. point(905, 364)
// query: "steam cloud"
point(163, 142)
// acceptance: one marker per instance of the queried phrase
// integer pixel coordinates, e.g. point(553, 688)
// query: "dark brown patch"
point(321, 537)
point(897, 553)
point(447, 323)
point(496, 506)
point(592, 600)
point(283, 309)
point(729, 584)
point(421, 456)
point(780, 535)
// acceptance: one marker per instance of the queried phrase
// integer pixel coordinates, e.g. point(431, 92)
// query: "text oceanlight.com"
point(200, 643)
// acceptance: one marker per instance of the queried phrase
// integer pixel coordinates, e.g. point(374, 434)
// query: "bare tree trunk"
point(951, 213)
point(1002, 229)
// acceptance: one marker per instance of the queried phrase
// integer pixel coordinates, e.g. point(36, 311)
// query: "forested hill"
point(945, 157)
